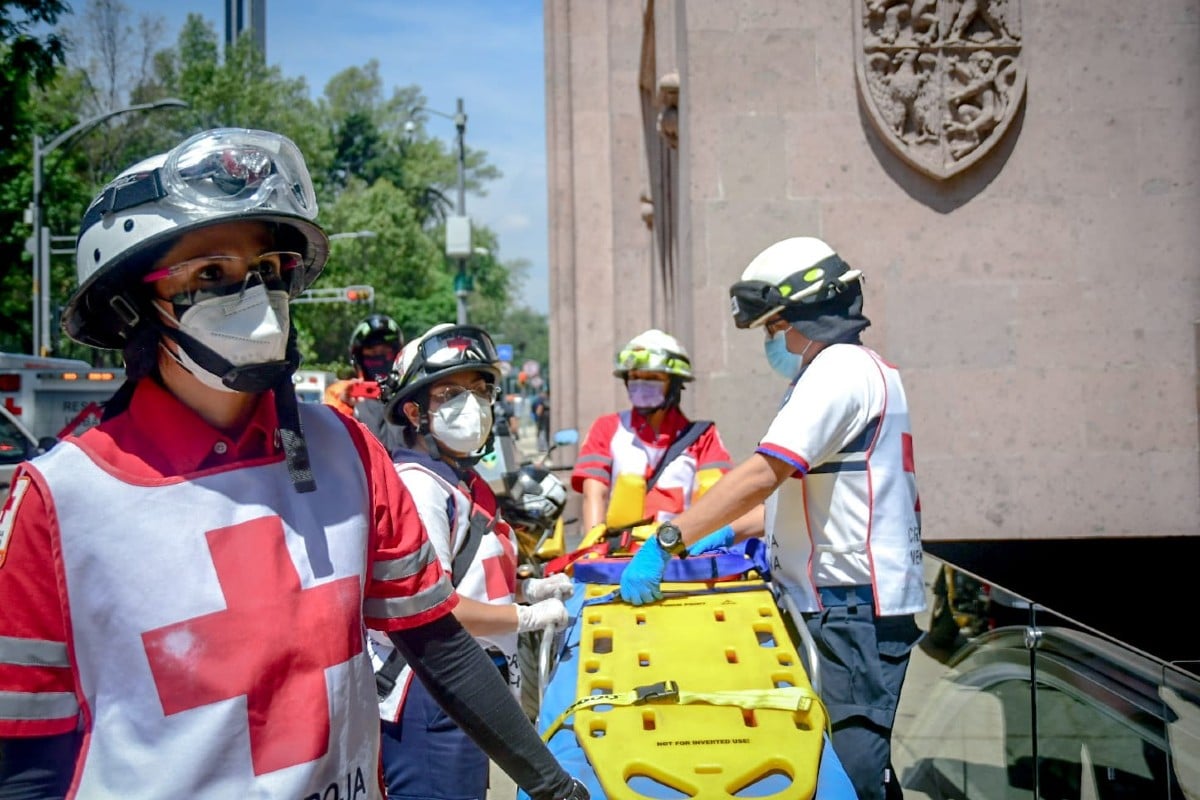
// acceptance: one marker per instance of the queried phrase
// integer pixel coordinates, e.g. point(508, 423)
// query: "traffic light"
point(360, 294)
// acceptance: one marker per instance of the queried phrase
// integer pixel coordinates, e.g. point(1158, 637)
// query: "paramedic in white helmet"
point(648, 462)
point(843, 526)
point(440, 394)
point(186, 585)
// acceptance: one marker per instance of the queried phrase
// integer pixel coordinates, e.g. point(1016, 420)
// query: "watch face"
point(670, 537)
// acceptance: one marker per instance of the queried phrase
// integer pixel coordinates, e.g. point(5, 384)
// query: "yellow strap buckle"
point(654, 692)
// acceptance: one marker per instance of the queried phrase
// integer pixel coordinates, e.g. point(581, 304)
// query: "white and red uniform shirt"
point(446, 511)
point(167, 591)
point(850, 515)
point(624, 443)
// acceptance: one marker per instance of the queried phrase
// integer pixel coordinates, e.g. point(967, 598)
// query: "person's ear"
point(413, 412)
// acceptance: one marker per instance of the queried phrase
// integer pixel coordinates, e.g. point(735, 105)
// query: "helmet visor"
point(235, 169)
point(632, 358)
point(753, 302)
point(454, 347)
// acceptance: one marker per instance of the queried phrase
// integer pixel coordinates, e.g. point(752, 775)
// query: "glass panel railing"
point(1007, 699)
point(1180, 710)
point(1098, 723)
point(963, 712)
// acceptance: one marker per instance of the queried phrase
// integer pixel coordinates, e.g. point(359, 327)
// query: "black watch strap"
point(578, 791)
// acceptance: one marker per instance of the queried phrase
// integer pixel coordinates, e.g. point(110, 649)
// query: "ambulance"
point(55, 397)
point(311, 384)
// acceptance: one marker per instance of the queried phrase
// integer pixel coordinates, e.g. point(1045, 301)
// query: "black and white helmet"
point(789, 278)
point(220, 175)
point(442, 350)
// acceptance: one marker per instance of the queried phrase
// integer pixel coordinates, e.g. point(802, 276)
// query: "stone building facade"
point(1019, 181)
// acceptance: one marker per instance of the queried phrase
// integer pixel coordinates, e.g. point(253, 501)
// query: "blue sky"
point(489, 53)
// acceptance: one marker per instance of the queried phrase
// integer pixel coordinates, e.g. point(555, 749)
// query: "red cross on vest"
point(500, 572)
point(271, 644)
point(909, 463)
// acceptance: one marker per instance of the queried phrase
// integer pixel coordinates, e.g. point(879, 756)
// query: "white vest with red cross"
point(448, 514)
point(216, 628)
point(633, 458)
point(853, 517)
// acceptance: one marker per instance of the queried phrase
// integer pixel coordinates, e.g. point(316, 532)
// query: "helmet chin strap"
point(256, 379)
point(250, 378)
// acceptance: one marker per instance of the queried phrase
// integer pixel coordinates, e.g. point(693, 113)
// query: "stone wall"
point(1042, 302)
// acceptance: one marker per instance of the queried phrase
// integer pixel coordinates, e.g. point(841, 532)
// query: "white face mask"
point(462, 424)
point(246, 328)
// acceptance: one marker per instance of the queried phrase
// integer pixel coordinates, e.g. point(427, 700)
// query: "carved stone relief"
point(941, 79)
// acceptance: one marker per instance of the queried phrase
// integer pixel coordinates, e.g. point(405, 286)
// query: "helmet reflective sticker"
point(654, 351)
point(755, 300)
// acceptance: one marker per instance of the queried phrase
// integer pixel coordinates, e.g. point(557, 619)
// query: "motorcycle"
point(532, 499)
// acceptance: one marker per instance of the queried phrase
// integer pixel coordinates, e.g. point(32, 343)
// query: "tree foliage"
point(377, 159)
point(27, 61)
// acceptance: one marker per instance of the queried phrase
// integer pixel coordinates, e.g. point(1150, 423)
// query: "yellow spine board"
point(705, 643)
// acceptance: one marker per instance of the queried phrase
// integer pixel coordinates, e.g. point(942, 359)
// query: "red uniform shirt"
point(160, 441)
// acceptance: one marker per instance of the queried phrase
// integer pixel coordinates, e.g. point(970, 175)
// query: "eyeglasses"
point(223, 170)
point(205, 277)
point(641, 358)
point(488, 393)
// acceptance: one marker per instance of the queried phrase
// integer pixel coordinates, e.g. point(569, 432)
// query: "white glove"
point(541, 615)
point(559, 586)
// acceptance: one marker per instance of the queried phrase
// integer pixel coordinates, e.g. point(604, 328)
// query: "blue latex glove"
point(721, 537)
point(641, 578)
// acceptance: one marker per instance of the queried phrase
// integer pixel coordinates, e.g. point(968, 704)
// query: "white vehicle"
point(17, 444)
point(55, 397)
point(311, 384)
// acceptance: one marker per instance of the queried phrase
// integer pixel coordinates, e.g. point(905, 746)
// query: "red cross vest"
point(451, 517)
point(216, 627)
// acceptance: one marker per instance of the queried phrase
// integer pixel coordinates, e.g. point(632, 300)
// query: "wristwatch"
point(670, 538)
point(578, 791)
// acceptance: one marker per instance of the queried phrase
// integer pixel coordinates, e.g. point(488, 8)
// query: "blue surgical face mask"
point(782, 360)
point(646, 394)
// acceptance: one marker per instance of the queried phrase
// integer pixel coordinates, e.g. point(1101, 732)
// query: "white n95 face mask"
point(462, 424)
point(782, 360)
point(247, 328)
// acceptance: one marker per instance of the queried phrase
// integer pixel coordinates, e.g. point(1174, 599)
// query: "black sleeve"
point(38, 768)
point(465, 682)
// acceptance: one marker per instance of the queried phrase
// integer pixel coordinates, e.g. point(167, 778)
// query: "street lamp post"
point(40, 241)
point(462, 283)
point(333, 237)
point(458, 228)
